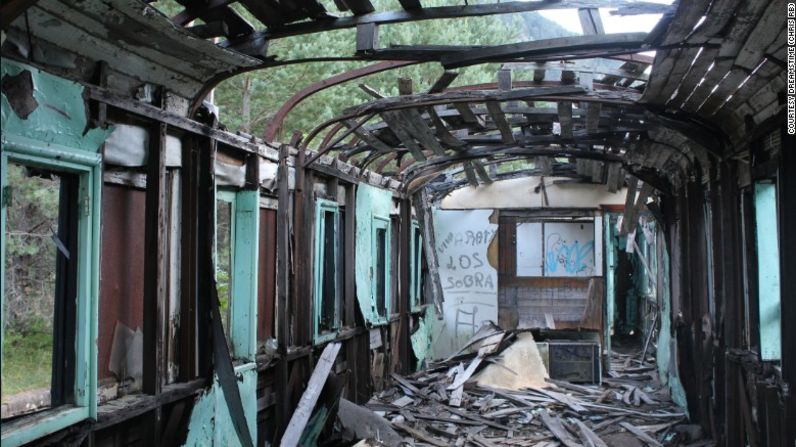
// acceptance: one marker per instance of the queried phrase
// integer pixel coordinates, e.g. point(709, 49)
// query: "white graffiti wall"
point(469, 283)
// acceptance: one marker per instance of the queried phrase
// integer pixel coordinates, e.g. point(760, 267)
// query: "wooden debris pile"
point(442, 406)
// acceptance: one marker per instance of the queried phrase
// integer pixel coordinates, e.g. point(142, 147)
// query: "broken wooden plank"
point(499, 118)
point(589, 437)
point(443, 81)
point(555, 426)
point(421, 435)
point(462, 378)
point(304, 409)
point(640, 434)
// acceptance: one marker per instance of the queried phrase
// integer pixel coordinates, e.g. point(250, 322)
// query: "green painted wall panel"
point(60, 117)
point(55, 136)
point(768, 281)
point(211, 423)
point(244, 277)
point(372, 203)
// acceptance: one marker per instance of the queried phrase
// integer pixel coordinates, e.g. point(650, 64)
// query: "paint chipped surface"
point(372, 202)
point(60, 118)
point(211, 423)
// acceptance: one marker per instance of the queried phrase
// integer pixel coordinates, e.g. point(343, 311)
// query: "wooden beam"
point(367, 37)
point(395, 121)
point(156, 262)
point(283, 234)
point(590, 21)
point(550, 48)
point(499, 118)
point(432, 13)
point(310, 397)
point(565, 118)
point(443, 81)
point(359, 7)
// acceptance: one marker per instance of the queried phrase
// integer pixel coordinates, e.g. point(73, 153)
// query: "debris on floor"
point(496, 392)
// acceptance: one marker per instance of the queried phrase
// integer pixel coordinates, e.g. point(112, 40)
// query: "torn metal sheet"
point(128, 145)
point(229, 174)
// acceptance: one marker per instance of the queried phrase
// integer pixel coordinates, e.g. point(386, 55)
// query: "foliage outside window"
point(381, 267)
point(328, 271)
point(224, 255)
point(416, 268)
point(50, 248)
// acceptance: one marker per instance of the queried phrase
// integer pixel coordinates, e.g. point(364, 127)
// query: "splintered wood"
point(444, 405)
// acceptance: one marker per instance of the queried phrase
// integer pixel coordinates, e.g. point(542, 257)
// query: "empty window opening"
point(329, 274)
point(328, 270)
point(416, 289)
point(224, 266)
point(381, 271)
point(39, 290)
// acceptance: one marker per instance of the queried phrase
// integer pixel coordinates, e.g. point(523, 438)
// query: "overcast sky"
point(568, 18)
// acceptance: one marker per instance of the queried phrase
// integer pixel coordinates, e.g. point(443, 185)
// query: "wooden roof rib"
point(726, 76)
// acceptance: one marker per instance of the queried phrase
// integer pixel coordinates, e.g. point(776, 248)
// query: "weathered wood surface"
point(304, 409)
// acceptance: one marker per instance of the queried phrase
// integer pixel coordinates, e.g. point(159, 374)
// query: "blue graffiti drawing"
point(571, 257)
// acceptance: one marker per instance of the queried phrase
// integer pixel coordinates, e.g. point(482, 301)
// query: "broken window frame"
point(769, 292)
point(323, 206)
point(596, 254)
point(244, 247)
point(380, 223)
point(416, 268)
point(86, 167)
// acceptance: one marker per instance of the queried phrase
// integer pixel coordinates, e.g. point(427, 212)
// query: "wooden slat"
point(359, 7)
point(499, 118)
point(156, 263)
point(394, 120)
point(443, 81)
point(466, 113)
point(308, 400)
point(590, 21)
point(546, 47)
point(565, 118)
point(411, 5)
point(685, 18)
point(418, 128)
point(367, 37)
point(441, 130)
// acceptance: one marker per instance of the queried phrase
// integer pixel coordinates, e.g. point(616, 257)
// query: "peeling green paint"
point(60, 120)
point(373, 206)
point(666, 355)
point(211, 423)
point(422, 337)
point(53, 135)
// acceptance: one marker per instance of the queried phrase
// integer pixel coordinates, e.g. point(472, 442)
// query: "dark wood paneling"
point(121, 283)
point(266, 293)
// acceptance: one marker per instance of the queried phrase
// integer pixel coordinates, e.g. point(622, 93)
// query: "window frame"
point(244, 251)
point(381, 223)
point(769, 291)
point(596, 252)
point(323, 206)
point(415, 268)
point(87, 169)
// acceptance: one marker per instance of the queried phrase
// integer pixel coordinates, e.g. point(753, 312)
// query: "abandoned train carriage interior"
point(590, 246)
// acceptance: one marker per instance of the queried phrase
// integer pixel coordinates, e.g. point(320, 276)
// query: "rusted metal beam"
point(275, 124)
